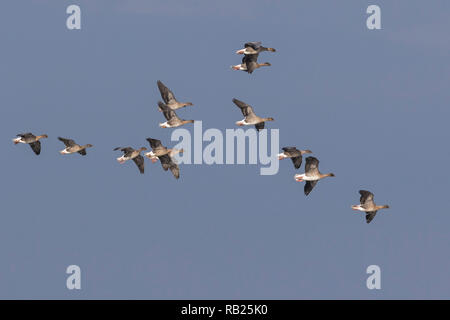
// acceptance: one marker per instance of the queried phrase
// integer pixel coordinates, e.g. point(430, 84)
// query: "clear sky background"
point(373, 106)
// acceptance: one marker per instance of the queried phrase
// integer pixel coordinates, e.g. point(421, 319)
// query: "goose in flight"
point(171, 117)
point(250, 117)
point(368, 205)
point(132, 154)
point(312, 174)
point(294, 154)
point(72, 147)
point(30, 139)
point(254, 47)
point(169, 98)
point(250, 63)
point(159, 150)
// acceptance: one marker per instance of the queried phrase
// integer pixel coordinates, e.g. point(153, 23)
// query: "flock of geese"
point(165, 155)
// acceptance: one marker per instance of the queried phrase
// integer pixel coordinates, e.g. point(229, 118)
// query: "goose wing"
point(154, 143)
point(168, 163)
point(36, 146)
point(67, 142)
point(245, 108)
point(312, 166)
point(297, 161)
point(259, 126)
point(309, 185)
point(370, 215)
point(250, 61)
point(139, 160)
point(366, 198)
point(168, 113)
point(166, 94)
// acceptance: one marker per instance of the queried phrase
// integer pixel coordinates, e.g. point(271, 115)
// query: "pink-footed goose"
point(132, 154)
point(169, 98)
point(171, 117)
point(312, 174)
point(250, 117)
point(72, 147)
point(295, 155)
point(31, 139)
point(367, 205)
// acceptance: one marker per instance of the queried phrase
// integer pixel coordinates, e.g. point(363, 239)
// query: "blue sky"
point(371, 105)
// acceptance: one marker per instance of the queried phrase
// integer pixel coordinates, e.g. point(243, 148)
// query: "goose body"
point(367, 205)
point(312, 174)
point(132, 154)
point(250, 117)
point(169, 98)
point(31, 139)
point(72, 147)
point(295, 154)
point(173, 120)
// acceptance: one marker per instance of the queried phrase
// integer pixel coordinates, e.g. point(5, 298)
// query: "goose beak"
point(240, 51)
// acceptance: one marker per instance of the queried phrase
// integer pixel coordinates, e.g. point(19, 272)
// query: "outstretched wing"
point(297, 161)
point(36, 146)
point(154, 143)
point(250, 61)
point(166, 94)
point(259, 126)
point(167, 112)
point(309, 185)
point(139, 160)
point(311, 166)
point(366, 197)
point(245, 108)
point(168, 163)
point(370, 215)
point(67, 142)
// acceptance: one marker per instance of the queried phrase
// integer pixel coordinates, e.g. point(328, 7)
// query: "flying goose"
point(312, 174)
point(169, 98)
point(250, 117)
point(294, 154)
point(72, 147)
point(30, 139)
point(254, 47)
point(171, 117)
point(367, 205)
point(132, 154)
point(159, 150)
point(250, 63)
